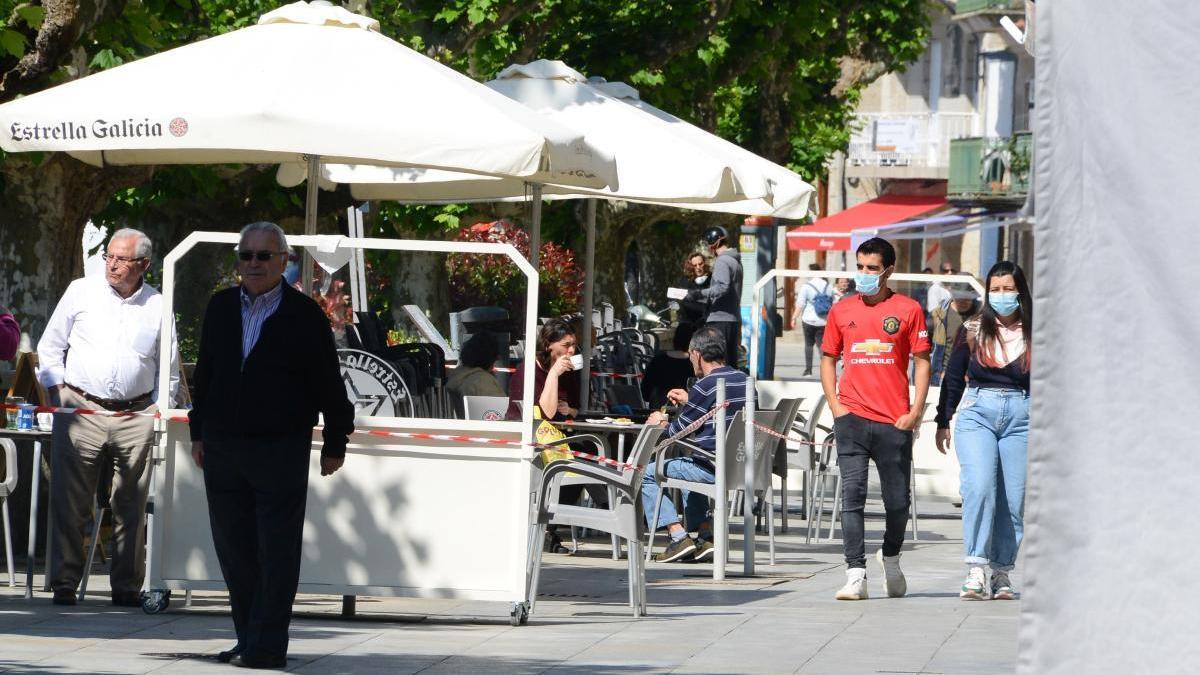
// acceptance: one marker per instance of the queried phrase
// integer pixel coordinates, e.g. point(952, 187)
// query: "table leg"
point(34, 485)
point(49, 526)
point(612, 495)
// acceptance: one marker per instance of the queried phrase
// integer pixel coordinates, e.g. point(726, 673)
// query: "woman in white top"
point(813, 300)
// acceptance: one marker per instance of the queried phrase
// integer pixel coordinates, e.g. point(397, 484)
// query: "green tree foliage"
point(779, 77)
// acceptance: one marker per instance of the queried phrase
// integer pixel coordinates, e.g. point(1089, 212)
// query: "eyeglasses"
point(119, 259)
point(261, 256)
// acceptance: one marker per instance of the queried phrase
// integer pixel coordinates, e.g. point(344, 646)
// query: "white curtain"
point(1112, 546)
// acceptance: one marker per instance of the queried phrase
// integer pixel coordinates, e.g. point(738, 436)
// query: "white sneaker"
point(973, 586)
point(856, 585)
point(894, 583)
point(1001, 587)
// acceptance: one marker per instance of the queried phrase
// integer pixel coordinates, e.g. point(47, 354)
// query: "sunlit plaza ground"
point(782, 620)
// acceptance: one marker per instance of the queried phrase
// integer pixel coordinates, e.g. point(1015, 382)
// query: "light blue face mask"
point(866, 284)
point(1004, 303)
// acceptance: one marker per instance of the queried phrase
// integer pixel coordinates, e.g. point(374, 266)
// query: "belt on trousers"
point(135, 403)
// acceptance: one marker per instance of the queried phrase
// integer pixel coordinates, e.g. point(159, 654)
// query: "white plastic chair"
point(735, 442)
point(6, 489)
point(623, 518)
point(489, 408)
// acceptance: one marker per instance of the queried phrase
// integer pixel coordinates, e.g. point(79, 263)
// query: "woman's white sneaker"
point(856, 585)
point(894, 583)
point(1001, 587)
point(973, 587)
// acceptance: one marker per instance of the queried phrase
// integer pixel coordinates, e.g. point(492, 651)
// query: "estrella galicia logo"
point(373, 386)
point(891, 325)
point(178, 127)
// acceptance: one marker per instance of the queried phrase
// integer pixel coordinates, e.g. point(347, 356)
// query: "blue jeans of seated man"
point(695, 505)
point(991, 435)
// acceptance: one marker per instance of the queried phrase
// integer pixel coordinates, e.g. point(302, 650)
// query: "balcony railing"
point(895, 139)
point(969, 6)
point(991, 168)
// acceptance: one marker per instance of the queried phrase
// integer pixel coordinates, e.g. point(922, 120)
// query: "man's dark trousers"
point(859, 441)
point(256, 492)
point(732, 330)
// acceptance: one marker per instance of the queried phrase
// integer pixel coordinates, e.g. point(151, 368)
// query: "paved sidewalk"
point(783, 620)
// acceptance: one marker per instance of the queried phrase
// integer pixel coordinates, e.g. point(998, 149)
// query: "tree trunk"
point(43, 209)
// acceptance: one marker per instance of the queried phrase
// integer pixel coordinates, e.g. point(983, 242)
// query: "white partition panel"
point(385, 524)
point(390, 521)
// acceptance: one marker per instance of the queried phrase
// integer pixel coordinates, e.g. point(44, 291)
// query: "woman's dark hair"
point(710, 342)
point(552, 331)
point(480, 351)
point(989, 334)
point(880, 247)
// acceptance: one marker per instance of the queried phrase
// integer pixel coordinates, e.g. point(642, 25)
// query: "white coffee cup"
point(577, 361)
point(45, 421)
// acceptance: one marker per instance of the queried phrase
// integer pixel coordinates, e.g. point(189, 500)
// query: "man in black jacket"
point(267, 367)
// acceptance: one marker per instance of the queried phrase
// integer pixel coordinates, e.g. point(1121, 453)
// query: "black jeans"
point(859, 441)
point(733, 339)
point(813, 335)
point(257, 490)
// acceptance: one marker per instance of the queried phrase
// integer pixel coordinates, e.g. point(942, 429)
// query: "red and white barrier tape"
point(791, 439)
point(696, 424)
point(497, 441)
point(98, 413)
point(595, 373)
point(636, 376)
point(372, 432)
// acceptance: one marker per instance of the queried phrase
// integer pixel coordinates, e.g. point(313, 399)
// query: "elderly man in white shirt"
point(100, 351)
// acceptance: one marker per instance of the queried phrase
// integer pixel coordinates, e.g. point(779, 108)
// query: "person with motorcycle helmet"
point(724, 292)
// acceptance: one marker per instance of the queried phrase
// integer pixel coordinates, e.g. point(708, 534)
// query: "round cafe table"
point(621, 430)
point(38, 437)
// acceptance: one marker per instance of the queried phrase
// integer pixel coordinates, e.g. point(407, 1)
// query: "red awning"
point(833, 233)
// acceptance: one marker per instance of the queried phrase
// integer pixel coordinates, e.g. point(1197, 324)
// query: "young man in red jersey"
point(874, 333)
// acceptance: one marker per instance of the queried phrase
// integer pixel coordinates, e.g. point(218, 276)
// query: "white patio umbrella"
point(652, 163)
point(788, 193)
point(309, 83)
point(660, 160)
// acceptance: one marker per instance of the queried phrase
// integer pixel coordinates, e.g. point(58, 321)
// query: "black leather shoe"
point(225, 656)
point(64, 597)
point(127, 598)
point(258, 662)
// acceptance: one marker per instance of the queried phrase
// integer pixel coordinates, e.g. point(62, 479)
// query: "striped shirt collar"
point(255, 312)
point(271, 297)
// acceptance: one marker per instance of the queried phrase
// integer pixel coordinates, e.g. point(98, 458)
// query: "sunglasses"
point(261, 256)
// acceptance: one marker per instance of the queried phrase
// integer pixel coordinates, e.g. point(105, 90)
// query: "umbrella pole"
point(589, 285)
point(310, 220)
point(535, 237)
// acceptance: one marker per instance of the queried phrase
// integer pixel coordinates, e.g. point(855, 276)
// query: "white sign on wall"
point(896, 136)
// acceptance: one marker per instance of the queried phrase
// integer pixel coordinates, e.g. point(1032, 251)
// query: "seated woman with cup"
point(556, 394)
point(555, 382)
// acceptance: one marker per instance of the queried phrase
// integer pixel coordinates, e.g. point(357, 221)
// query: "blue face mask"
point(1004, 303)
point(866, 284)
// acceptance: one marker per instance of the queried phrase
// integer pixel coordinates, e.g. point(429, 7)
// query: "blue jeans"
point(937, 359)
point(695, 505)
point(991, 435)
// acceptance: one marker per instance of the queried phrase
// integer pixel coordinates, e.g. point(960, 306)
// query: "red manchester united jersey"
point(874, 342)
